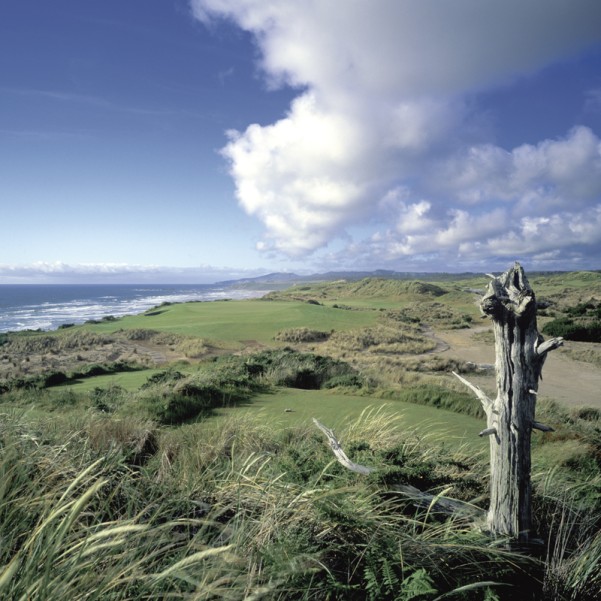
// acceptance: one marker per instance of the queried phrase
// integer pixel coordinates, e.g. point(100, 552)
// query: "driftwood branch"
point(340, 454)
point(420, 499)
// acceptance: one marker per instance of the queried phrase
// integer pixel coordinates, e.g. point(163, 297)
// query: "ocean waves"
point(48, 307)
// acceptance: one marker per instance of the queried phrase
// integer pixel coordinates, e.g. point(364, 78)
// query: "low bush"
point(55, 378)
point(108, 400)
point(570, 329)
point(588, 309)
point(346, 381)
point(90, 371)
point(292, 369)
point(163, 377)
point(172, 398)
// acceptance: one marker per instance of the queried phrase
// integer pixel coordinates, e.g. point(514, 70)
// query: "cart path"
point(570, 382)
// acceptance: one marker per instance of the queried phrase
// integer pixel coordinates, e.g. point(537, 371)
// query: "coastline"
point(47, 307)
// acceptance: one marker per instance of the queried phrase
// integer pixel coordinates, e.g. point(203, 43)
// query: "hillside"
point(173, 453)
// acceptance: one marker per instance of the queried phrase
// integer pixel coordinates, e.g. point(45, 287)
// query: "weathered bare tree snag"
point(520, 355)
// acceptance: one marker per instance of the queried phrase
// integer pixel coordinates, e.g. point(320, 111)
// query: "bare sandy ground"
point(573, 383)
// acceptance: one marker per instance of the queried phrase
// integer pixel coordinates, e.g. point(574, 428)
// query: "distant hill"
point(285, 279)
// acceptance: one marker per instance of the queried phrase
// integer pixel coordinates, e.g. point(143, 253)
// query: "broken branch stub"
point(520, 354)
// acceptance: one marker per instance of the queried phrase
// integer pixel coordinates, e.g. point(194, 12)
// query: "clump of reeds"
point(78, 527)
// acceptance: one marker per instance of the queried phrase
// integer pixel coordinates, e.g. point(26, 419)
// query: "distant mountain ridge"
point(283, 279)
point(286, 278)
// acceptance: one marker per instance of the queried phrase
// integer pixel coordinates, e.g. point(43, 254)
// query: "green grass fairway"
point(334, 410)
point(130, 380)
point(237, 321)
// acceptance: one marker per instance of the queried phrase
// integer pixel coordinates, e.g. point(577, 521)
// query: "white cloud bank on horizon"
point(58, 272)
point(383, 132)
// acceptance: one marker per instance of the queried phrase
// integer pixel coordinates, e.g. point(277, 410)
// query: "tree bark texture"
point(520, 354)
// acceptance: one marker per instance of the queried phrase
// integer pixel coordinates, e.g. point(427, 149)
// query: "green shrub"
point(163, 377)
point(107, 400)
point(589, 309)
point(292, 369)
point(55, 378)
point(171, 398)
point(90, 371)
point(573, 330)
point(347, 380)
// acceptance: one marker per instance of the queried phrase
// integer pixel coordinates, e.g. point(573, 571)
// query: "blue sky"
point(193, 141)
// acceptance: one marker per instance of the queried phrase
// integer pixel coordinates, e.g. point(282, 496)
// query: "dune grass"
point(243, 511)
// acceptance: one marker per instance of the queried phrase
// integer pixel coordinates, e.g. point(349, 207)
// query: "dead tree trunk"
point(520, 354)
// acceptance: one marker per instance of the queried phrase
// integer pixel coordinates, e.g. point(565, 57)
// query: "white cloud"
point(405, 48)
point(538, 177)
point(302, 176)
point(381, 122)
point(65, 273)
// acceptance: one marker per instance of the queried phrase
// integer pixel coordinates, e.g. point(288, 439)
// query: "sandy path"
point(570, 382)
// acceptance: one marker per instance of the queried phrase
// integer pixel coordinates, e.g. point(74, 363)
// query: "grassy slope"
point(130, 380)
point(291, 518)
point(236, 321)
point(336, 410)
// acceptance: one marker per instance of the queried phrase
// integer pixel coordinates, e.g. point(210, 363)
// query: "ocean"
point(46, 307)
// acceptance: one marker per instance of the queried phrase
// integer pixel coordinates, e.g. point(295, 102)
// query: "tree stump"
point(520, 355)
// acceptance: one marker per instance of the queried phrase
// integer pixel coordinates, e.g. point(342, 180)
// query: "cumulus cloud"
point(382, 133)
point(566, 170)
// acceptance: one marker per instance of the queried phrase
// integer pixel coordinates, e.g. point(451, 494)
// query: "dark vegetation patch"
point(58, 378)
point(171, 397)
point(581, 323)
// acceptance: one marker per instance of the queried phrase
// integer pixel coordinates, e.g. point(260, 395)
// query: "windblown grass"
point(74, 526)
point(239, 511)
